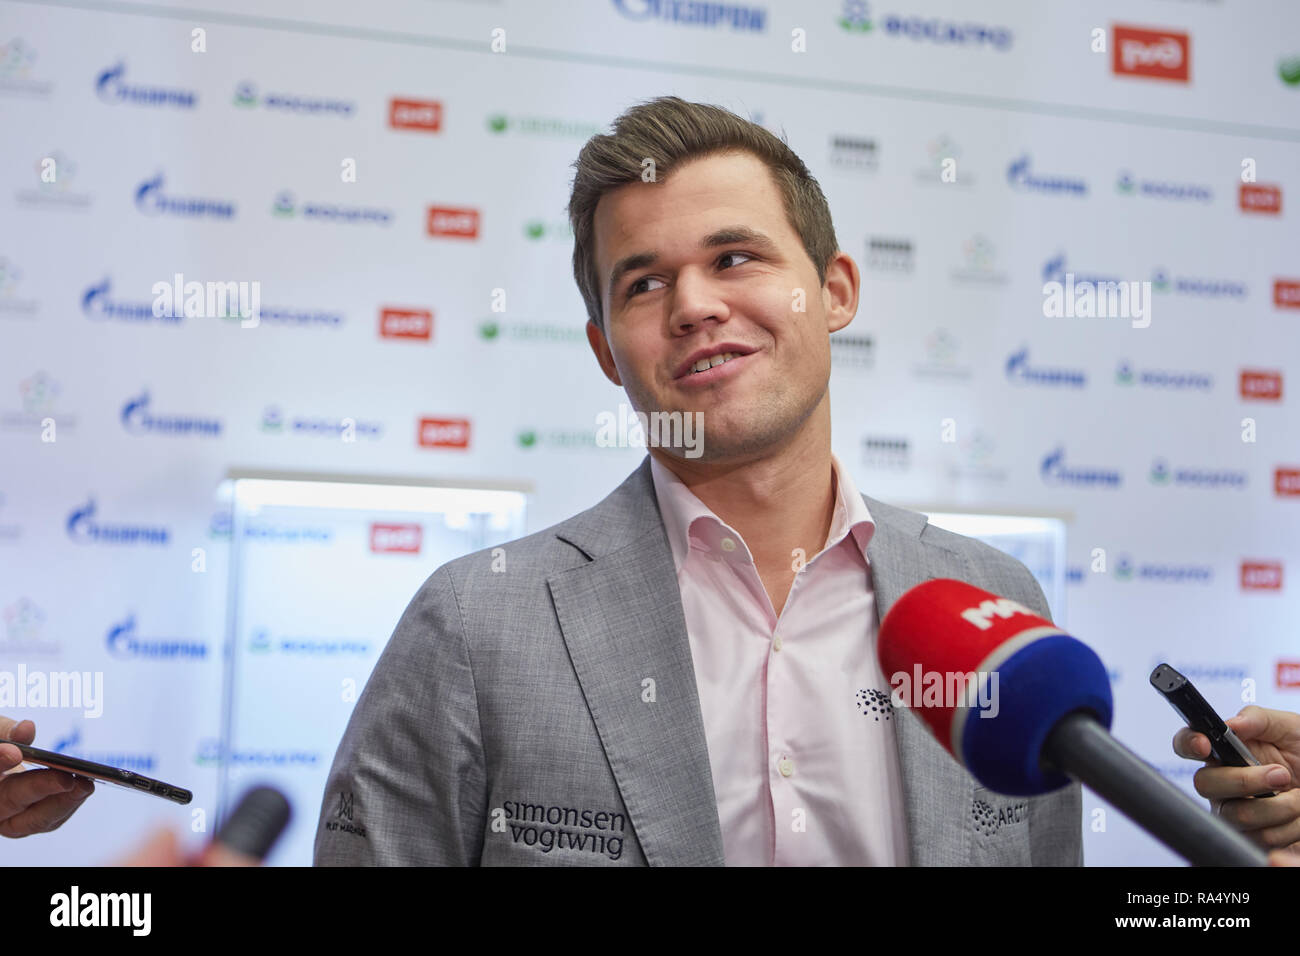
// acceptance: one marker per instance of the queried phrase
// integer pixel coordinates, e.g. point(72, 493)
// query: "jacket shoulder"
point(989, 568)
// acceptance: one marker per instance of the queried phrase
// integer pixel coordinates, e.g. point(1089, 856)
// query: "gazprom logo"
point(1019, 371)
point(735, 16)
point(1020, 175)
point(111, 87)
point(84, 529)
point(122, 642)
point(1055, 269)
point(71, 745)
point(139, 420)
point(151, 200)
point(1054, 471)
point(97, 303)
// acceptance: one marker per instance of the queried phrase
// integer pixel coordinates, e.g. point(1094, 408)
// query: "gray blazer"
point(509, 720)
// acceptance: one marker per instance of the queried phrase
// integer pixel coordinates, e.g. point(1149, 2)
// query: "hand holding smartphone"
point(1183, 697)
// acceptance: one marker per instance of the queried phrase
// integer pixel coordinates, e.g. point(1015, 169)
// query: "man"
point(34, 801)
point(686, 672)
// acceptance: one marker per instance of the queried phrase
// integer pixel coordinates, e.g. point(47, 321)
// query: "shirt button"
point(728, 544)
point(786, 766)
point(776, 643)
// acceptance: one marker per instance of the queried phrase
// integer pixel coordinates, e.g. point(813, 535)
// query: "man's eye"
point(727, 255)
point(632, 290)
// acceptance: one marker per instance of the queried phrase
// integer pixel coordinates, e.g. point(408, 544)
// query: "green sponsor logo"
point(1289, 69)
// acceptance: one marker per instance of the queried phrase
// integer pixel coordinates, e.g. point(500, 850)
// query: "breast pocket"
point(1001, 829)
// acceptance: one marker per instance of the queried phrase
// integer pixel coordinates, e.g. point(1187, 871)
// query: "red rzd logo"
point(1286, 293)
point(1260, 385)
point(1156, 54)
point(1261, 575)
point(1288, 674)
point(1286, 482)
point(423, 115)
point(453, 223)
point(444, 433)
point(1260, 197)
point(406, 324)
point(395, 538)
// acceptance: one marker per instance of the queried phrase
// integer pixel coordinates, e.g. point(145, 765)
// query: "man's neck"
point(777, 504)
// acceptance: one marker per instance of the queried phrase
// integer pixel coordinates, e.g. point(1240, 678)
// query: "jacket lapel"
point(937, 792)
point(622, 619)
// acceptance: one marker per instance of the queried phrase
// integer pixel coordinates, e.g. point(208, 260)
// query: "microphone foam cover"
point(990, 678)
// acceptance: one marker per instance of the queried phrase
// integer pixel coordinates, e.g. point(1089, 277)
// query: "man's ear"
point(596, 339)
point(841, 288)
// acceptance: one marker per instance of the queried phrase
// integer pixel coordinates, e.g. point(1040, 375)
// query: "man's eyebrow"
point(726, 236)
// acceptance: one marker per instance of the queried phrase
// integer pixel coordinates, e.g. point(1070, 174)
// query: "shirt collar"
point(687, 519)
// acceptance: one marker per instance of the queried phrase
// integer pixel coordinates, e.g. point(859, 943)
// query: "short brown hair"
point(671, 131)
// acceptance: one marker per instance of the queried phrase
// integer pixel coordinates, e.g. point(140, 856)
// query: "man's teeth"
point(703, 365)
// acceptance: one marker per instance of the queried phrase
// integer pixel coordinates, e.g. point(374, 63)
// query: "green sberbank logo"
point(1124, 374)
point(1289, 69)
point(245, 95)
point(1159, 473)
point(491, 330)
point(542, 126)
point(558, 439)
point(541, 229)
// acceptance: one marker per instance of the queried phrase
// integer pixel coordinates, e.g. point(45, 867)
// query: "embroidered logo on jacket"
point(342, 822)
point(990, 819)
point(547, 828)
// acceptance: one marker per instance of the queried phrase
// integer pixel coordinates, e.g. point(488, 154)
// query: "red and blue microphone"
point(1032, 711)
point(1018, 674)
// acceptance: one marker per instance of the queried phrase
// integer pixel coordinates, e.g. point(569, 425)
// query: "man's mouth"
point(703, 365)
point(715, 368)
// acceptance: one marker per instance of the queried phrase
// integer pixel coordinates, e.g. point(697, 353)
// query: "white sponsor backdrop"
point(226, 165)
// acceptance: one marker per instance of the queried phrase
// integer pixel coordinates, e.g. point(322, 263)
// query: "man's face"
point(728, 270)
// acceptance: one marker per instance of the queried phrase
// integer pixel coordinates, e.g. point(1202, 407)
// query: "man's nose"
point(696, 299)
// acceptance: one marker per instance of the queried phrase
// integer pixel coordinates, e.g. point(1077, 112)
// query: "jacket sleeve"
point(407, 786)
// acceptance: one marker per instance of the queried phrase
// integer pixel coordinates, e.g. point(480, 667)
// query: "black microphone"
point(251, 830)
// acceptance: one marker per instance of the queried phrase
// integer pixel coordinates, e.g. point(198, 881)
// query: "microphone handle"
point(1080, 747)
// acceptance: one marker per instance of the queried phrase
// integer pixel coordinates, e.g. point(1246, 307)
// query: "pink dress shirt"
point(796, 712)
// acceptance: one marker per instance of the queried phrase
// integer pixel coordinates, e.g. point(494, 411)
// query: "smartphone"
point(99, 771)
point(1225, 746)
